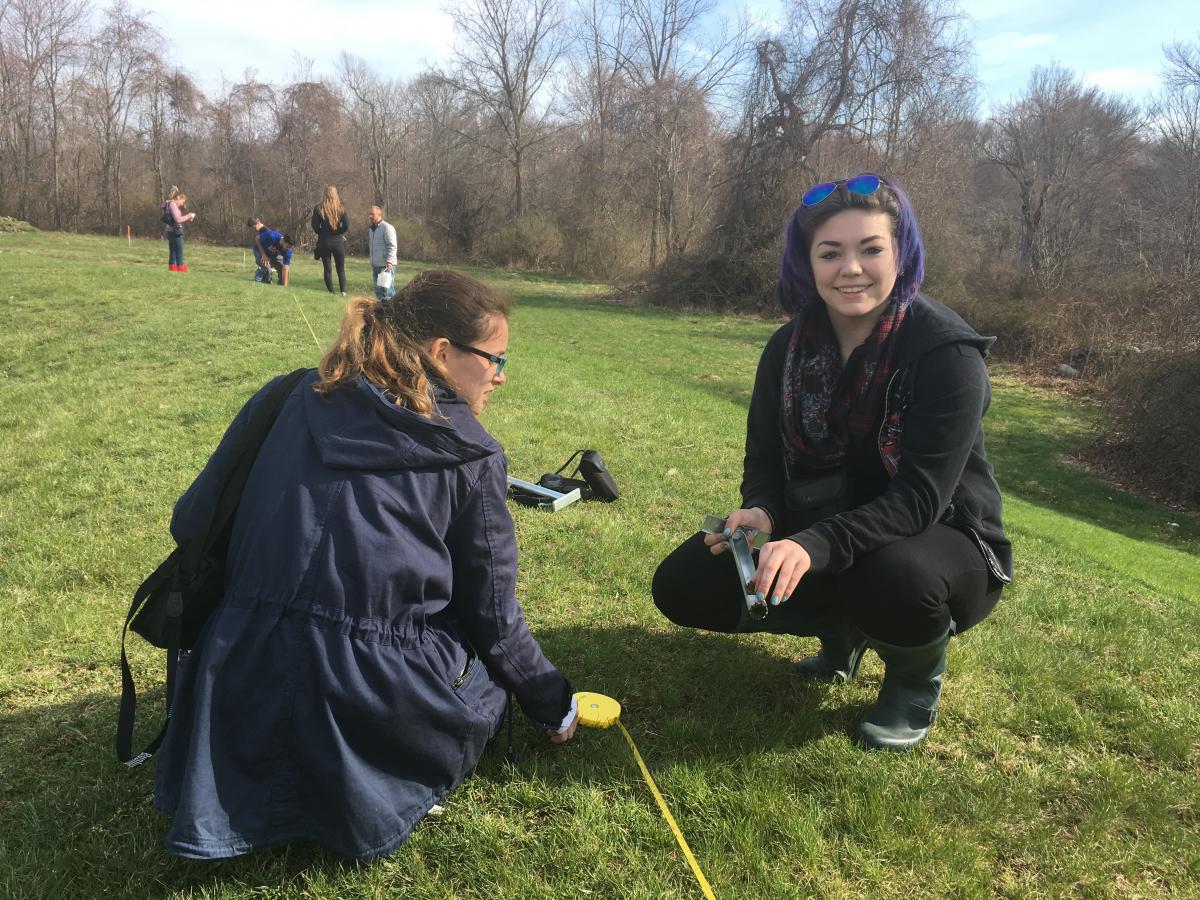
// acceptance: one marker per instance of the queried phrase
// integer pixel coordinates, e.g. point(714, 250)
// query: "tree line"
point(656, 144)
point(613, 138)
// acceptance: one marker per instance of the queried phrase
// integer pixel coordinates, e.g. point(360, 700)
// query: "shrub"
point(602, 249)
point(743, 283)
point(532, 241)
point(415, 241)
point(10, 225)
point(1153, 404)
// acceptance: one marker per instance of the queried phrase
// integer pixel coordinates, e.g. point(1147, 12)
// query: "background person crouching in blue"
point(275, 251)
point(865, 460)
point(358, 662)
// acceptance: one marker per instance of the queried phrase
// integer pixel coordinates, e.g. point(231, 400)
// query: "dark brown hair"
point(387, 343)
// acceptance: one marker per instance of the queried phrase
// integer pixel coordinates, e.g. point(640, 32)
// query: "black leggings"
point(905, 593)
point(338, 252)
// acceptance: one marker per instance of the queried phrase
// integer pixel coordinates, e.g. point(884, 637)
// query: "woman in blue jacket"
point(370, 631)
point(864, 462)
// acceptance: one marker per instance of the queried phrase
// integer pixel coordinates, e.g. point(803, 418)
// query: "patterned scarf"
point(827, 406)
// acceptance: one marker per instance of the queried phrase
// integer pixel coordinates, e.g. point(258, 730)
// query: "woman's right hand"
point(755, 519)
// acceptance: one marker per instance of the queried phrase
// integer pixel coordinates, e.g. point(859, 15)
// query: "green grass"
point(1065, 761)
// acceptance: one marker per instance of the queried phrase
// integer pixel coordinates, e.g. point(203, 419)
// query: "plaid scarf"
point(827, 406)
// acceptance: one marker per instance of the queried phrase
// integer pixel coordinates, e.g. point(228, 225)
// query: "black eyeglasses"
point(499, 361)
point(864, 185)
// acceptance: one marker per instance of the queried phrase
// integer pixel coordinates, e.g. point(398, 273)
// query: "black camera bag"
point(591, 468)
point(171, 606)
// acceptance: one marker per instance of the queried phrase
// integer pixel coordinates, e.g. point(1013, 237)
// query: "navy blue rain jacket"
point(357, 664)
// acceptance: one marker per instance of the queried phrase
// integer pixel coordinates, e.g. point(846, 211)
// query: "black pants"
point(336, 252)
point(903, 594)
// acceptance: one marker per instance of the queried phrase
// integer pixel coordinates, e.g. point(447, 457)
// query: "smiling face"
point(853, 258)
point(473, 377)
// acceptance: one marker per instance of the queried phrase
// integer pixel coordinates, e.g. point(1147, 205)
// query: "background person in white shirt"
point(383, 254)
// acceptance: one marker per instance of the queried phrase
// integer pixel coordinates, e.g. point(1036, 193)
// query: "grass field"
point(1065, 761)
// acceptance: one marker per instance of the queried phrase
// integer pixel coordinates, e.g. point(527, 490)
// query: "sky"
point(1116, 46)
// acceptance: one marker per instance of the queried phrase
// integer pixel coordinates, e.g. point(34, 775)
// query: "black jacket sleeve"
point(343, 225)
point(763, 472)
point(318, 222)
point(950, 394)
point(483, 551)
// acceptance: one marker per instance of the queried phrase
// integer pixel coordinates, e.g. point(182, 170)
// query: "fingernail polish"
point(761, 596)
point(727, 532)
point(774, 601)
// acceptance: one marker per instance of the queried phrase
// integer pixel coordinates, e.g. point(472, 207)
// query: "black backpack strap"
point(125, 714)
point(183, 561)
point(570, 460)
point(249, 443)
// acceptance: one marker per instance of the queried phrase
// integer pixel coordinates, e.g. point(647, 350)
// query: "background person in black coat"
point(330, 224)
point(865, 463)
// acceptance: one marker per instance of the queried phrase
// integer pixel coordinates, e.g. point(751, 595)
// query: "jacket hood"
point(940, 325)
point(355, 427)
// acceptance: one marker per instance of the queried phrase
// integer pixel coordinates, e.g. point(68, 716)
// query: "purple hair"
point(797, 288)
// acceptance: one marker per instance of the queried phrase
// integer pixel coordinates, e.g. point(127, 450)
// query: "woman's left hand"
point(781, 564)
point(557, 738)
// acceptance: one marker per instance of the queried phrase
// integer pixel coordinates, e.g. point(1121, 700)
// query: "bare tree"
point(672, 63)
point(35, 35)
point(118, 57)
point(1173, 190)
point(838, 69)
point(312, 136)
point(596, 81)
point(1183, 65)
point(375, 106)
point(64, 39)
point(506, 53)
point(1057, 142)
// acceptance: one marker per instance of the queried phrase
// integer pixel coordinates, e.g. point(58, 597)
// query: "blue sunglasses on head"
point(864, 185)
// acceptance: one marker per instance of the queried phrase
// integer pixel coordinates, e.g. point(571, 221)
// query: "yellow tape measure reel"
point(596, 710)
point(599, 711)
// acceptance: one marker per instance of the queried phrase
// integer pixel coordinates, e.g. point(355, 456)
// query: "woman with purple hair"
point(864, 465)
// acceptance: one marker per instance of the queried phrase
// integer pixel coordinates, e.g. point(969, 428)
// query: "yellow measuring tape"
point(599, 711)
point(306, 322)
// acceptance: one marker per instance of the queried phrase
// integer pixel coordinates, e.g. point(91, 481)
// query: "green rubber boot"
point(908, 699)
point(842, 648)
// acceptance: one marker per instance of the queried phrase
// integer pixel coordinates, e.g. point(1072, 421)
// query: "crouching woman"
point(361, 657)
point(865, 463)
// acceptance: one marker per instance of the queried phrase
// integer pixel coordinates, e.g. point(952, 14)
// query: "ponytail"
point(387, 343)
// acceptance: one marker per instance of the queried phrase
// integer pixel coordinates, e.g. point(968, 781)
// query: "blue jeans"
point(174, 249)
point(382, 294)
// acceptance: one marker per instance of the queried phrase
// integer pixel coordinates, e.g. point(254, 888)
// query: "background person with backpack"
point(173, 218)
point(359, 659)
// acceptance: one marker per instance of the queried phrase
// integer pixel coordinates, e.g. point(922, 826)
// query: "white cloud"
point(1001, 47)
point(986, 10)
point(1127, 81)
point(225, 37)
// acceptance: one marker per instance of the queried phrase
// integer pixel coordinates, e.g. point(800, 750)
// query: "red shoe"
point(181, 269)
point(173, 267)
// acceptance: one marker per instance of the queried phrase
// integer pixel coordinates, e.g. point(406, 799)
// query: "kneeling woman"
point(865, 463)
point(360, 658)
